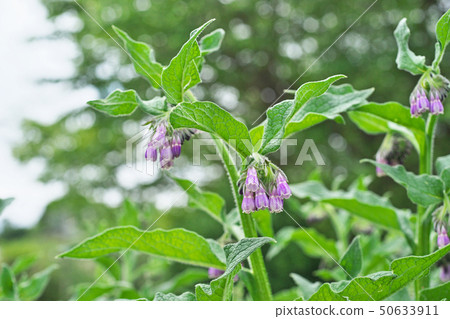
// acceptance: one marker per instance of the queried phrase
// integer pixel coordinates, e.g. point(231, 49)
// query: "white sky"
point(22, 64)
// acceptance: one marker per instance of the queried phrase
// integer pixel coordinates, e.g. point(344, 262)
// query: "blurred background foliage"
point(268, 45)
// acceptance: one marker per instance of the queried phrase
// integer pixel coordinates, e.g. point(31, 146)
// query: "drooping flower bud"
point(445, 273)
point(436, 106)
point(166, 156)
point(442, 238)
point(176, 146)
point(215, 273)
point(428, 94)
point(252, 182)
point(151, 153)
point(283, 189)
point(392, 151)
point(275, 202)
point(159, 137)
point(248, 203)
point(261, 200)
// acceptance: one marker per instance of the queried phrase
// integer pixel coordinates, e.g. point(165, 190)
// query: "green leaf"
point(93, 293)
point(211, 42)
point(263, 219)
point(209, 117)
point(287, 295)
point(246, 276)
point(438, 293)
point(182, 72)
point(352, 259)
point(176, 244)
point(306, 287)
point(129, 215)
point(118, 103)
point(143, 58)
point(22, 263)
point(375, 118)
point(280, 114)
point(187, 296)
point(423, 190)
point(33, 288)
point(187, 278)
point(364, 204)
point(8, 284)
point(108, 263)
point(381, 285)
point(156, 106)
point(220, 289)
point(4, 203)
point(310, 241)
point(240, 251)
point(443, 30)
point(443, 170)
point(406, 59)
point(210, 203)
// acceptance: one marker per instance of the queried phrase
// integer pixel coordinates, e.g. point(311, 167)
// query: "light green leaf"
point(443, 170)
point(130, 214)
point(182, 72)
point(443, 30)
point(381, 285)
point(263, 219)
point(4, 203)
point(33, 288)
point(406, 59)
point(312, 242)
point(351, 261)
point(246, 276)
point(281, 114)
point(211, 42)
point(176, 244)
point(438, 293)
point(118, 103)
point(8, 284)
point(238, 252)
point(22, 263)
point(185, 279)
point(364, 204)
point(220, 289)
point(187, 296)
point(422, 189)
point(156, 106)
point(93, 293)
point(306, 287)
point(209, 117)
point(287, 294)
point(143, 58)
point(210, 203)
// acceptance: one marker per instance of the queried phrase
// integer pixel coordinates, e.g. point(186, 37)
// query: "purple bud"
point(445, 273)
point(261, 200)
point(248, 203)
point(176, 146)
point(414, 110)
point(275, 202)
point(442, 239)
point(378, 170)
point(166, 156)
point(422, 101)
point(159, 138)
point(151, 153)
point(436, 106)
point(283, 188)
point(215, 273)
point(252, 182)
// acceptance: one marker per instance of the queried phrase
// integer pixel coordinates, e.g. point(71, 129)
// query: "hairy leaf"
point(211, 42)
point(352, 259)
point(156, 106)
point(176, 244)
point(118, 103)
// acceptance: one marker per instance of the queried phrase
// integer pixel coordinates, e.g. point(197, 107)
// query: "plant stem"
point(423, 220)
point(248, 224)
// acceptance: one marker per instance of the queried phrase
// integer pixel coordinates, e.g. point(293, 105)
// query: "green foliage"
point(8, 284)
point(351, 261)
point(176, 244)
point(130, 215)
point(438, 293)
point(306, 287)
point(182, 73)
point(32, 289)
point(187, 296)
point(143, 58)
point(406, 59)
point(381, 285)
point(156, 106)
point(118, 103)
point(220, 289)
point(209, 117)
point(443, 31)
point(211, 42)
point(443, 170)
point(263, 220)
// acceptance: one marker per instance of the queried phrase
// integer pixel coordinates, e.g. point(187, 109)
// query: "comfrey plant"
point(235, 261)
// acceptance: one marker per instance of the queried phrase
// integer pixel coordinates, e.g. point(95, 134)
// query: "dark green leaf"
point(118, 103)
point(443, 30)
point(406, 59)
point(287, 295)
point(8, 284)
point(306, 287)
point(176, 244)
point(33, 288)
point(209, 117)
point(381, 285)
point(423, 189)
point(211, 42)
point(220, 289)
point(438, 293)
point(249, 281)
point(182, 72)
point(143, 58)
point(352, 259)
point(187, 296)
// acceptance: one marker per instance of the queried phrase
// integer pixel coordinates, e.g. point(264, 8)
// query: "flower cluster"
point(168, 142)
point(441, 222)
point(266, 191)
point(428, 95)
point(392, 151)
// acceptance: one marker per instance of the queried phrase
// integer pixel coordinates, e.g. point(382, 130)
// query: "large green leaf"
point(33, 288)
point(406, 59)
point(8, 284)
point(443, 170)
point(182, 72)
point(210, 203)
point(5, 202)
point(351, 261)
point(443, 30)
point(176, 244)
point(364, 204)
point(375, 118)
point(143, 58)
point(220, 289)
point(209, 117)
point(422, 189)
point(281, 114)
point(187, 296)
point(211, 42)
point(438, 293)
point(381, 285)
point(118, 103)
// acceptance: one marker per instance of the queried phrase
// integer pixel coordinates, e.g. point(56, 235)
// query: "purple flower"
point(176, 146)
point(436, 106)
point(261, 200)
point(283, 188)
point(151, 153)
point(215, 273)
point(422, 101)
point(445, 273)
point(442, 239)
point(159, 138)
point(275, 202)
point(413, 108)
point(252, 182)
point(166, 156)
point(248, 203)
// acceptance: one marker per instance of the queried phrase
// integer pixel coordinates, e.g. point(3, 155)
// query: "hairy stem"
point(248, 224)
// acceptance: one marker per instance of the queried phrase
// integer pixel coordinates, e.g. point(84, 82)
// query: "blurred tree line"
point(268, 45)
